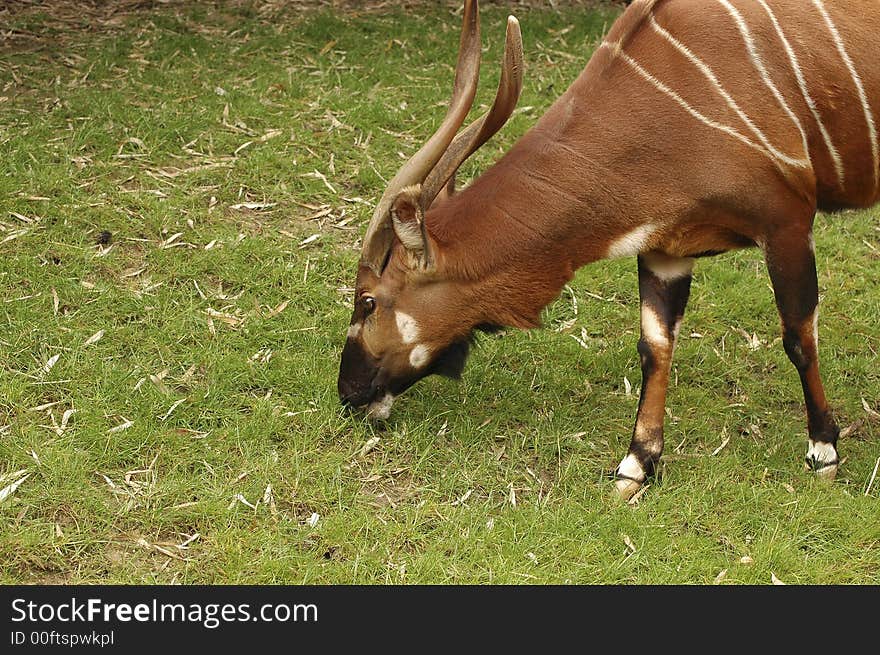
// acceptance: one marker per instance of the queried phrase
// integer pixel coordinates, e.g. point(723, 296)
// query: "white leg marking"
point(419, 356)
point(615, 48)
point(380, 409)
point(802, 83)
point(353, 331)
point(707, 72)
point(816, 328)
point(815, 317)
point(631, 243)
point(759, 64)
point(866, 108)
point(653, 329)
point(407, 326)
point(668, 268)
point(822, 458)
point(822, 452)
point(631, 468)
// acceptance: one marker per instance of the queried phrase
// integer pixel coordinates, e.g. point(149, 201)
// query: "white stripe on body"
point(802, 84)
point(866, 108)
point(713, 79)
point(755, 57)
point(660, 86)
point(815, 321)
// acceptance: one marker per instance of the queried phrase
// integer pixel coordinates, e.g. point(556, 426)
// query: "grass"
point(182, 195)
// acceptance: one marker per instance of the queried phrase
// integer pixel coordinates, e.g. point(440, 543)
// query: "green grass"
point(155, 124)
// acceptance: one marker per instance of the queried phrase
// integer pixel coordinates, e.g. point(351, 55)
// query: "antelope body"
point(697, 127)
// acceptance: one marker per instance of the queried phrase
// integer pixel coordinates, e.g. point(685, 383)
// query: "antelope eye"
point(369, 304)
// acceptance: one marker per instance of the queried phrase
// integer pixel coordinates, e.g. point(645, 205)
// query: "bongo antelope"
point(697, 127)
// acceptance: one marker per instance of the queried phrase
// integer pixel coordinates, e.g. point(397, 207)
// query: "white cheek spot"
point(653, 329)
point(353, 331)
point(667, 269)
point(631, 243)
point(380, 409)
point(419, 356)
point(407, 326)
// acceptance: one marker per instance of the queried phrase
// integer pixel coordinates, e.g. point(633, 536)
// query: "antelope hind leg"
point(792, 265)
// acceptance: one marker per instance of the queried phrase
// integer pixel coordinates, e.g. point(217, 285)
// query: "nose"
point(351, 395)
point(357, 383)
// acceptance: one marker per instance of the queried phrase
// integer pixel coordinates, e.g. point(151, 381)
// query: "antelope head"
point(410, 319)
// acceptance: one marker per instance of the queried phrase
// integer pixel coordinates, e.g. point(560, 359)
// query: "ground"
point(183, 191)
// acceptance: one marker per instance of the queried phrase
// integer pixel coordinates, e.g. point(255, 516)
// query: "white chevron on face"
point(407, 326)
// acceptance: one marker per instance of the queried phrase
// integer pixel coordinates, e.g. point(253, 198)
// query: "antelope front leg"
point(664, 287)
point(791, 262)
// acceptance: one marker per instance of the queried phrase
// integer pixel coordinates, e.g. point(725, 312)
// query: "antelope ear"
point(408, 220)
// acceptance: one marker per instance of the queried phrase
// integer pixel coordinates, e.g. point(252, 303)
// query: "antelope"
point(696, 128)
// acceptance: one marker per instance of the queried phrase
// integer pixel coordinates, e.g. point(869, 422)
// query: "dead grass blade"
point(95, 338)
point(174, 406)
point(320, 176)
point(869, 411)
point(873, 476)
point(50, 363)
point(721, 447)
point(11, 488)
point(253, 206)
point(126, 423)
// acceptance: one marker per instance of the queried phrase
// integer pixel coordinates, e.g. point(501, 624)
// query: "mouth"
point(374, 395)
point(380, 410)
point(377, 407)
point(369, 389)
point(359, 384)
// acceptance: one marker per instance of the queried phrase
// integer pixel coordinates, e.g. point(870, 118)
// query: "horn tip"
point(513, 30)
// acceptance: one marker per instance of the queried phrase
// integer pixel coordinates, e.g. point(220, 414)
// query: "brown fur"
point(598, 164)
point(614, 153)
